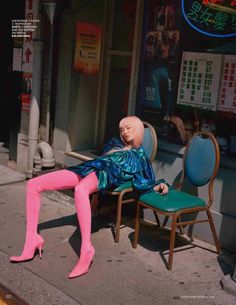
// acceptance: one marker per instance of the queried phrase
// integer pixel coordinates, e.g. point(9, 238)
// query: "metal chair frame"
point(176, 216)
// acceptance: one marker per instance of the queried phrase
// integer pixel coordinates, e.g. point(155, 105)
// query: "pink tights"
point(59, 180)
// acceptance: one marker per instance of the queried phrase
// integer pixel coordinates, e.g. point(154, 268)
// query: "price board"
point(199, 80)
point(227, 93)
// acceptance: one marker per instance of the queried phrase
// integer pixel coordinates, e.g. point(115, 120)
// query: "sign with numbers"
point(199, 80)
point(227, 94)
point(215, 18)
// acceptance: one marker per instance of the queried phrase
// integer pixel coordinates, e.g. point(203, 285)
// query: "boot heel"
point(40, 250)
point(29, 250)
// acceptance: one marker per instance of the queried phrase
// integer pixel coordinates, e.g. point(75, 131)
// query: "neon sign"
point(216, 18)
point(232, 3)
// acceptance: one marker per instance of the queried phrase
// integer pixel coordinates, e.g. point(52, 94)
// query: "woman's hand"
point(162, 188)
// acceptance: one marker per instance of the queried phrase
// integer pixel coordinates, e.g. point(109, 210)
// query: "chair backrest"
point(201, 159)
point(149, 141)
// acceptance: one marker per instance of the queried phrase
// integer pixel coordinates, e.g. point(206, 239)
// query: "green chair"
point(200, 165)
point(125, 189)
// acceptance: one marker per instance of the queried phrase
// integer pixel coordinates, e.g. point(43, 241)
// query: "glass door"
point(120, 75)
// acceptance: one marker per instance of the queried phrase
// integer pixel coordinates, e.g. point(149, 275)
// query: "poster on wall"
point(27, 83)
point(25, 102)
point(88, 48)
point(199, 80)
point(17, 59)
point(161, 16)
point(161, 57)
point(28, 28)
point(162, 45)
point(164, 17)
point(227, 94)
point(157, 87)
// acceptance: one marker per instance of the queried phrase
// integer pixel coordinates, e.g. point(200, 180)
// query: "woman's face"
point(127, 132)
point(131, 131)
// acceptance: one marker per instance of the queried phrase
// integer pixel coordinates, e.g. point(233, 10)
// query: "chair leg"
point(165, 221)
point(136, 227)
point(157, 218)
point(180, 227)
point(213, 230)
point(172, 242)
point(118, 218)
point(94, 204)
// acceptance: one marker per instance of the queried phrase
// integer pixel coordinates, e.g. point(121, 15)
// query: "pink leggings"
point(59, 180)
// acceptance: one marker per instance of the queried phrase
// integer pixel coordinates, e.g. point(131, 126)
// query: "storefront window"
point(124, 25)
point(187, 79)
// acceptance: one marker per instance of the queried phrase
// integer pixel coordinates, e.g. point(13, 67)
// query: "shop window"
point(187, 79)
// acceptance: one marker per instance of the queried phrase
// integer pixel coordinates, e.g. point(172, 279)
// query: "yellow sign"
point(88, 48)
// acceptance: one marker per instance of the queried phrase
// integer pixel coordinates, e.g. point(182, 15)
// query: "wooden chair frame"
point(176, 216)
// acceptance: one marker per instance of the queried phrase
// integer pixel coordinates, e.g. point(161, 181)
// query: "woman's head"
point(131, 131)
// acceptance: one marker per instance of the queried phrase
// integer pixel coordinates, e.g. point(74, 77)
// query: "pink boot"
point(84, 263)
point(86, 186)
point(33, 240)
point(62, 179)
point(29, 250)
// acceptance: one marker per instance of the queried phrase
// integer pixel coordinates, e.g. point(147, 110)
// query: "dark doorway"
point(10, 82)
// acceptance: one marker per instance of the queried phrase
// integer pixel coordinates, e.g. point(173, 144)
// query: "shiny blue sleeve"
point(113, 143)
point(144, 180)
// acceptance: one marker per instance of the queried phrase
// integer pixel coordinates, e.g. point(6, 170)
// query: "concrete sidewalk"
point(119, 274)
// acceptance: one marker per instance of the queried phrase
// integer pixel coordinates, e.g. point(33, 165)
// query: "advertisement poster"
point(157, 86)
point(162, 45)
point(26, 29)
point(17, 59)
point(227, 95)
point(88, 48)
point(199, 80)
point(164, 17)
point(27, 83)
point(25, 102)
point(160, 59)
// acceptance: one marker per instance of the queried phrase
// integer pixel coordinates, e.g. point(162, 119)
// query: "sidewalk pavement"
point(119, 275)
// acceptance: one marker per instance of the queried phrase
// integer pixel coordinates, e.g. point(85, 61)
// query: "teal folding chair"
point(200, 165)
point(125, 189)
point(121, 192)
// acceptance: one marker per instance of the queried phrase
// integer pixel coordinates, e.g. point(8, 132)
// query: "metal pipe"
point(35, 102)
point(43, 156)
point(49, 83)
point(50, 7)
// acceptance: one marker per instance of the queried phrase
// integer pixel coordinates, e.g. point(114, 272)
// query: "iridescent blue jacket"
point(119, 167)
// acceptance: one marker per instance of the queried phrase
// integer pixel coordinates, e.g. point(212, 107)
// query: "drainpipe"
point(43, 156)
point(34, 108)
point(234, 275)
point(50, 7)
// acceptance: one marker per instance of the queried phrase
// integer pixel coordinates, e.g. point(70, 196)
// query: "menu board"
point(199, 80)
point(227, 94)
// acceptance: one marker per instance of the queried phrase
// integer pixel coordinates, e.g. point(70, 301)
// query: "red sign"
point(25, 102)
point(232, 3)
